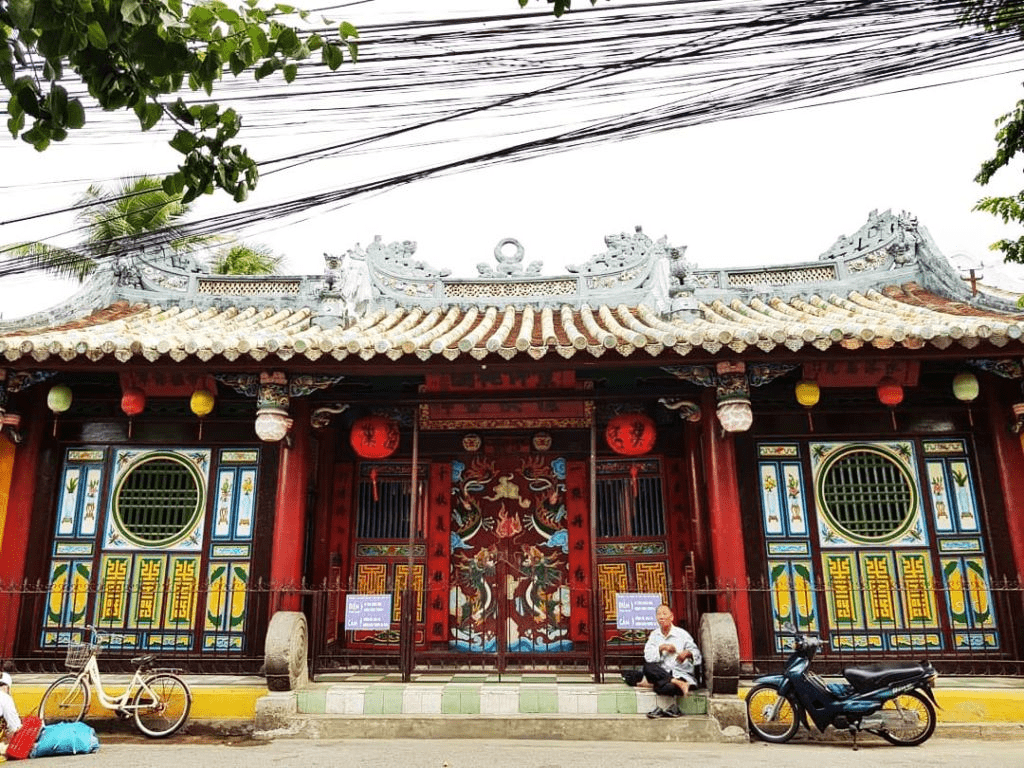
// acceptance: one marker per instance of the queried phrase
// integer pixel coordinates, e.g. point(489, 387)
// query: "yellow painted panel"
point(611, 579)
point(6, 473)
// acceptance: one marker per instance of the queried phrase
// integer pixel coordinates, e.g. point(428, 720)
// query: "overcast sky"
point(770, 189)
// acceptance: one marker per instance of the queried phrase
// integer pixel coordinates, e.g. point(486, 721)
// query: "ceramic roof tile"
point(909, 317)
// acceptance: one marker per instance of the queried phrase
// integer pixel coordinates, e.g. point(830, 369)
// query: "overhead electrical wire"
point(615, 72)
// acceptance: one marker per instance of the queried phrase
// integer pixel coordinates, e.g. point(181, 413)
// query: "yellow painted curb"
point(986, 706)
point(221, 702)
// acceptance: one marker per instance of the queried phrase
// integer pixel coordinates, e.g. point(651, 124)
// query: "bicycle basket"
point(79, 655)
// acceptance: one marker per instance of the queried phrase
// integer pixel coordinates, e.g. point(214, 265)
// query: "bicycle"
point(160, 701)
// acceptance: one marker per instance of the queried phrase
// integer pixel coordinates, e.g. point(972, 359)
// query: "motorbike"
point(894, 702)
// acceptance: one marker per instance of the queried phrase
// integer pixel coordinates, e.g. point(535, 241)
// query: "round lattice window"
point(159, 500)
point(867, 493)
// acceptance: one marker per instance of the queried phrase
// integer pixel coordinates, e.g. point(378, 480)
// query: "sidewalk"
point(465, 706)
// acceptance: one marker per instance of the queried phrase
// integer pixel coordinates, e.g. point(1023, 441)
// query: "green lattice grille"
point(157, 501)
point(867, 494)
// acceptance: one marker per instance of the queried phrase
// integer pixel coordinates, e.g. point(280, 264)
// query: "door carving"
point(509, 555)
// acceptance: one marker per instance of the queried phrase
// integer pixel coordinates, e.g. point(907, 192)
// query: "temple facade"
point(830, 446)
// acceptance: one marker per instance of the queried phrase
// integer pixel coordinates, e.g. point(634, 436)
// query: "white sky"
point(770, 189)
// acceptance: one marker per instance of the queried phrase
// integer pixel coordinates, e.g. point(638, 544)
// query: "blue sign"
point(367, 612)
point(635, 610)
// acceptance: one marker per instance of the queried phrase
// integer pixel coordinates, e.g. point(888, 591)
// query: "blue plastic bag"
point(65, 739)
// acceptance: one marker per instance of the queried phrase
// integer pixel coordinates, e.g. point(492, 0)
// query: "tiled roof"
point(908, 317)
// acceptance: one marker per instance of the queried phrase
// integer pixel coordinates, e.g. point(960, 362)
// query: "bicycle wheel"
point(161, 705)
point(65, 701)
point(909, 720)
point(771, 719)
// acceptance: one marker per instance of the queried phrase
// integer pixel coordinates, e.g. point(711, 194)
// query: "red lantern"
point(133, 401)
point(374, 437)
point(631, 434)
point(889, 392)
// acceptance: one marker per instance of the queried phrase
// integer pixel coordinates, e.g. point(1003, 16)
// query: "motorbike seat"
point(878, 675)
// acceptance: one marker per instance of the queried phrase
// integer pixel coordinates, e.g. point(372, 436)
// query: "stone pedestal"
point(720, 648)
point(285, 663)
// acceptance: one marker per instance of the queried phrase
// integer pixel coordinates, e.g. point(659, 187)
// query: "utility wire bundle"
point(525, 85)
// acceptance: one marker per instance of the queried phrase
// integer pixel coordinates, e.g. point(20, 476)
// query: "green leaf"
point(288, 41)
point(76, 114)
point(27, 97)
point(260, 46)
point(200, 15)
point(266, 68)
point(57, 103)
point(150, 116)
point(180, 111)
point(236, 63)
point(22, 12)
point(38, 137)
point(183, 141)
point(346, 31)
point(290, 72)
point(332, 56)
point(228, 15)
point(97, 37)
point(132, 12)
point(173, 184)
point(15, 124)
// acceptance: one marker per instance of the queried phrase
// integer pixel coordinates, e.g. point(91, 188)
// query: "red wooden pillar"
point(695, 488)
point(726, 522)
point(289, 541)
point(14, 534)
point(1010, 463)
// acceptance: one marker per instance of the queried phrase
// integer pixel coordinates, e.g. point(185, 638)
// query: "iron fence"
point(967, 633)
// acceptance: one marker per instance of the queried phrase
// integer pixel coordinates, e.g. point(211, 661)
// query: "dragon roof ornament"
point(633, 270)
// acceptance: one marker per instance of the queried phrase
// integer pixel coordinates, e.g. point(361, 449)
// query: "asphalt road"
point(188, 752)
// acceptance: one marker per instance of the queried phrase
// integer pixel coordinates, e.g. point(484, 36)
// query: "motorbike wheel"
point(763, 702)
point(910, 720)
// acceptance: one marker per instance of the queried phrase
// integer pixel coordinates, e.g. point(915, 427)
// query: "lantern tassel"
point(634, 472)
point(373, 478)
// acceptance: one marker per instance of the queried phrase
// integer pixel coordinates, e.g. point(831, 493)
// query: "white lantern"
point(272, 424)
point(735, 415)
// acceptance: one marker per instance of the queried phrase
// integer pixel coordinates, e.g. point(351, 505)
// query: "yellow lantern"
point(808, 393)
point(965, 387)
point(202, 402)
point(58, 399)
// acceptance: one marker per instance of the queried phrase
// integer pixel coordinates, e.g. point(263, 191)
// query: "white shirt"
point(9, 712)
point(681, 639)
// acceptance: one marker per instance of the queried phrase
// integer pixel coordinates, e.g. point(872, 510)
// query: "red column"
point(1010, 463)
point(289, 540)
point(726, 523)
point(14, 537)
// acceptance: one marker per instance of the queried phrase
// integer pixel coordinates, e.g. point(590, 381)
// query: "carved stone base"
point(285, 662)
point(720, 648)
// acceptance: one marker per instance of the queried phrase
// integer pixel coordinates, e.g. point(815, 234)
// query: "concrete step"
point(457, 707)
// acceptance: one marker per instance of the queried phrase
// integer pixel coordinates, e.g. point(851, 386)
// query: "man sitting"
point(670, 658)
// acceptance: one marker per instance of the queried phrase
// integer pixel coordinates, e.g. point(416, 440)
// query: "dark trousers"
point(660, 678)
